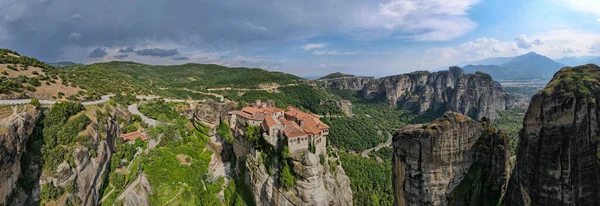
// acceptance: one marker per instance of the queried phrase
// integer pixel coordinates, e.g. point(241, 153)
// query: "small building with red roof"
point(132, 136)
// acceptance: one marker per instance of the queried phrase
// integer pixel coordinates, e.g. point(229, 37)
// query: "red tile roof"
point(132, 136)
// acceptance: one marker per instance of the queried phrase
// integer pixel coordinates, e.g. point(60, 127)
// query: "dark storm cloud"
point(157, 52)
point(121, 56)
point(126, 50)
point(180, 58)
point(41, 28)
point(98, 53)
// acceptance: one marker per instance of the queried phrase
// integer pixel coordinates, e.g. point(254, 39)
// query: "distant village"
point(294, 128)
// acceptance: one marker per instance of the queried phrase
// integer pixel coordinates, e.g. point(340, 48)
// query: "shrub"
point(11, 67)
point(50, 192)
point(36, 103)
point(117, 179)
point(287, 179)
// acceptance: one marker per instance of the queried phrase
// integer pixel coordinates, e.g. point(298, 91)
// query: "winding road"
point(103, 99)
point(388, 143)
point(134, 110)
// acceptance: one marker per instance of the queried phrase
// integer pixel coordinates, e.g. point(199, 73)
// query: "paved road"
point(366, 152)
point(103, 99)
point(134, 110)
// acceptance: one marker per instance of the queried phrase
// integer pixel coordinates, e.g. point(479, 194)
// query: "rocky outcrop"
point(315, 183)
point(210, 111)
point(89, 171)
point(451, 161)
point(558, 157)
point(353, 83)
point(14, 132)
point(475, 95)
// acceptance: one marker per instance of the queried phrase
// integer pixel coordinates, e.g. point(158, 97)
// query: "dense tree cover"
point(371, 124)
point(371, 181)
point(59, 131)
point(169, 174)
point(301, 96)
point(159, 110)
point(511, 122)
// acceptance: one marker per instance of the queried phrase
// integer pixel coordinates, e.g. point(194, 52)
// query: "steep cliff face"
point(315, 183)
point(475, 95)
point(15, 129)
point(558, 158)
point(439, 163)
point(353, 83)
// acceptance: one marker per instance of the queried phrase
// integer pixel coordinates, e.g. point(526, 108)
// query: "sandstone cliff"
point(452, 161)
point(558, 158)
point(353, 83)
point(315, 183)
point(475, 95)
point(15, 129)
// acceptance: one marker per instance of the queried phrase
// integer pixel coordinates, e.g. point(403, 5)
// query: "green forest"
point(301, 96)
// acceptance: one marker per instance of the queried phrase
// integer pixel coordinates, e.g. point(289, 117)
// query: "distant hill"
point(594, 61)
point(90, 81)
point(527, 66)
point(61, 64)
point(488, 61)
point(336, 75)
point(576, 61)
point(111, 77)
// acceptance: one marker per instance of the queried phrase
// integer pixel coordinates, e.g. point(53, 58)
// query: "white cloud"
point(554, 44)
point(331, 52)
point(320, 49)
point(598, 19)
point(424, 20)
point(309, 47)
point(524, 43)
point(74, 36)
point(585, 6)
point(324, 66)
point(256, 27)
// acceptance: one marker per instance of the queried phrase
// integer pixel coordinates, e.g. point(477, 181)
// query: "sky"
point(306, 38)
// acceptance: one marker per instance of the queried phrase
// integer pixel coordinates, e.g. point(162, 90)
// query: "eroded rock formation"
point(315, 183)
point(353, 83)
point(14, 132)
point(558, 158)
point(475, 95)
point(451, 161)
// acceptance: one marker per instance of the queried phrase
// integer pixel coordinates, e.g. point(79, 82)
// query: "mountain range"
point(527, 66)
point(576, 61)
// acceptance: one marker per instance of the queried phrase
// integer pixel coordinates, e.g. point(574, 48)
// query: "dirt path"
point(177, 195)
point(107, 195)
